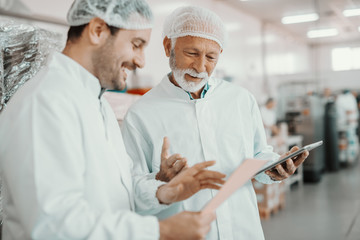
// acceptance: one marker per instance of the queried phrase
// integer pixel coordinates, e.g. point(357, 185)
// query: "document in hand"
point(238, 178)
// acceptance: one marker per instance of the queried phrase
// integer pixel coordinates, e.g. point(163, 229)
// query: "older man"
point(205, 118)
point(65, 171)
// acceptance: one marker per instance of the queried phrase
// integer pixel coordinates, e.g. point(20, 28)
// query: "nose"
point(139, 59)
point(200, 64)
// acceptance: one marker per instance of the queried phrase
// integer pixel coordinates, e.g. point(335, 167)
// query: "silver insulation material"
point(23, 52)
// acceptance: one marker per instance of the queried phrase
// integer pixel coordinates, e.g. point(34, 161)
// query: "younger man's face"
point(121, 52)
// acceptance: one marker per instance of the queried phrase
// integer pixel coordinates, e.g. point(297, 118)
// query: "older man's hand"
point(189, 182)
point(170, 165)
point(284, 170)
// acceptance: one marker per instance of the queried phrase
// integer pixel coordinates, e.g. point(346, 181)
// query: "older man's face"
point(198, 54)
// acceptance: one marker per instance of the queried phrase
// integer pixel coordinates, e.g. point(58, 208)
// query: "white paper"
point(238, 178)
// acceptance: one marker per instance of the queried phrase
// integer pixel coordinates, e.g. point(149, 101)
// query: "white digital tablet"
point(292, 155)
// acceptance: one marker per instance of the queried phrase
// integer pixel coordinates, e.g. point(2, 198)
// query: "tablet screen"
point(292, 155)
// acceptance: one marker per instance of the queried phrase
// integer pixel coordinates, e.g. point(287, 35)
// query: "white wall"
point(287, 58)
point(336, 80)
point(242, 56)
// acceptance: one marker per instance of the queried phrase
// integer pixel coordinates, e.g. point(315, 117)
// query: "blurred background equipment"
point(303, 110)
point(347, 123)
point(331, 137)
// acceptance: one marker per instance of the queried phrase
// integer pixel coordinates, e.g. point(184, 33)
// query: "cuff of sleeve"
point(150, 229)
point(149, 202)
point(264, 178)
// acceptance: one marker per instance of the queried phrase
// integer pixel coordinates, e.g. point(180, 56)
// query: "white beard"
point(179, 75)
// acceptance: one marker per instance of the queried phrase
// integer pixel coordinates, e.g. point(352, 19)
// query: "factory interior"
point(300, 59)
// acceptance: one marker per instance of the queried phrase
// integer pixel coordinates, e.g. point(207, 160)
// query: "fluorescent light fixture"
point(300, 18)
point(359, 28)
point(165, 9)
point(329, 32)
point(351, 12)
point(232, 26)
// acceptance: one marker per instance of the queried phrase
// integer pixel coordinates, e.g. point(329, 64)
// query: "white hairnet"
point(197, 22)
point(127, 14)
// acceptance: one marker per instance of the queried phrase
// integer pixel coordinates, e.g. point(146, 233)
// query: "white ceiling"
point(270, 11)
point(330, 13)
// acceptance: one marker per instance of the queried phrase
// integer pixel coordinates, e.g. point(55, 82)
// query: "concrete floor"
point(328, 210)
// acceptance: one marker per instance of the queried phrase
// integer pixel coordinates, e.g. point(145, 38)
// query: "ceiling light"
point(359, 28)
point(232, 26)
point(300, 18)
point(164, 9)
point(329, 32)
point(351, 12)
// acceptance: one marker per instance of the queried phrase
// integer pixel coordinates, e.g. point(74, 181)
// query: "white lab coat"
point(65, 171)
point(224, 126)
point(269, 119)
point(268, 116)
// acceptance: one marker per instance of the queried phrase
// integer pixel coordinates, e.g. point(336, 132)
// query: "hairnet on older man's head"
point(197, 22)
point(126, 14)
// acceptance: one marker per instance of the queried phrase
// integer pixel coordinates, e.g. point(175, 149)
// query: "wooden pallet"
point(265, 213)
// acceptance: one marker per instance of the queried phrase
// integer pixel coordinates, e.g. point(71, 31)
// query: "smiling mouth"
point(125, 72)
point(192, 77)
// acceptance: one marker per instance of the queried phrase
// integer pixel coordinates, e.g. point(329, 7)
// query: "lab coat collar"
point(88, 80)
point(178, 92)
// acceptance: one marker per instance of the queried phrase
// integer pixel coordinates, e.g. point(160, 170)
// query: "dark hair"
point(75, 32)
point(269, 100)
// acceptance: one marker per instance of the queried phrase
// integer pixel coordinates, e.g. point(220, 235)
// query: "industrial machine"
point(303, 110)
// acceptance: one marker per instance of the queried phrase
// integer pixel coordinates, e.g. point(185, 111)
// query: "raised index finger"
point(165, 148)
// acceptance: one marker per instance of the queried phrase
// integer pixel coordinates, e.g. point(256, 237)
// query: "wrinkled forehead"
point(203, 31)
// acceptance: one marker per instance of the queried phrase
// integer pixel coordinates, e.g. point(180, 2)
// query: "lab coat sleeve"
point(140, 151)
point(44, 172)
point(261, 149)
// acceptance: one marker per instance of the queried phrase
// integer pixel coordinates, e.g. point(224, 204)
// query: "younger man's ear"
point(98, 31)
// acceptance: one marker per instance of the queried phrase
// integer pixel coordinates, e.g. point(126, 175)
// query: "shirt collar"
point(87, 79)
point(203, 92)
